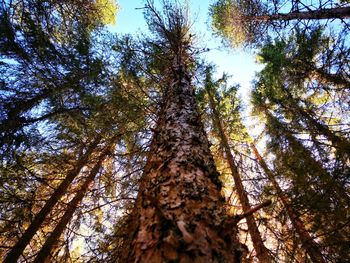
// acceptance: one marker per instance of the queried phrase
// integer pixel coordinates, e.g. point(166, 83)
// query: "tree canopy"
point(120, 148)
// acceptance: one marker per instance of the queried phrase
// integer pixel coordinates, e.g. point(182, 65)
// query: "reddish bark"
point(179, 215)
point(307, 241)
point(39, 218)
point(262, 253)
point(46, 249)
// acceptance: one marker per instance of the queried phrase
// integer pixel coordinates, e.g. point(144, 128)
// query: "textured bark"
point(327, 13)
point(262, 253)
point(179, 214)
point(51, 241)
point(39, 218)
point(307, 241)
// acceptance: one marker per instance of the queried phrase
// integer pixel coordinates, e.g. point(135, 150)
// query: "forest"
point(135, 148)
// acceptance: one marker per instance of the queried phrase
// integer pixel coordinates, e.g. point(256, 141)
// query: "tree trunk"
point(307, 241)
point(46, 249)
point(327, 13)
point(309, 244)
point(340, 143)
point(179, 215)
point(39, 218)
point(315, 165)
point(262, 253)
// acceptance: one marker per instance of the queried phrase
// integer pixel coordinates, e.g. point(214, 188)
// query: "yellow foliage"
point(107, 10)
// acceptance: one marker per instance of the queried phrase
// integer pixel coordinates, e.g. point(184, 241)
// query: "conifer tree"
point(179, 214)
point(246, 22)
point(262, 253)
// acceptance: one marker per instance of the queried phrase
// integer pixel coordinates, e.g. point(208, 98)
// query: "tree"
point(309, 189)
point(262, 253)
point(179, 213)
point(62, 224)
point(294, 90)
point(46, 52)
point(19, 247)
point(307, 241)
point(248, 22)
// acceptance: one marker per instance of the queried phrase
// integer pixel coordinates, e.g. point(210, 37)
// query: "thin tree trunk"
point(179, 213)
point(324, 176)
point(340, 143)
point(46, 249)
point(338, 80)
point(307, 241)
point(262, 253)
point(39, 218)
point(327, 13)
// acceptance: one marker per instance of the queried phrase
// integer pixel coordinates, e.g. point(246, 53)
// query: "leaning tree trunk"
point(179, 214)
point(326, 13)
point(50, 242)
point(308, 243)
point(39, 218)
point(262, 253)
point(340, 143)
point(325, 177)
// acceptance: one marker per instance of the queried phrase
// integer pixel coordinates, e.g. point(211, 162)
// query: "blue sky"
point(241, 65)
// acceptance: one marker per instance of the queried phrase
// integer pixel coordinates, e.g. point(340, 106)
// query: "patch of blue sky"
point(240, 64)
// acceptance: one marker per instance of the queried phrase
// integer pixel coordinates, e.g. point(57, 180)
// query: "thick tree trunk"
point(262, 253)
point(327, 13)
point(179, 214)
point(51, 241)
point(307, 241)
point(39, 218)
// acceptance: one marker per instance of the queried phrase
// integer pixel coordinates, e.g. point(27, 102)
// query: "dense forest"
point(133, 148)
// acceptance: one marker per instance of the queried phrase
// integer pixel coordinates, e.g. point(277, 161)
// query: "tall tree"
point(46, 249)
point(311, 247)
point(46, 53)
point(179, 213)
point(262, 253)
point(309, 189)
point(293, 88)
point(248, 22)
point(24, 240)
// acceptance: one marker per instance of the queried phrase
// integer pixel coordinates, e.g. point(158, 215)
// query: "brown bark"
point(339, 80)
point(46, 249)
point(179, 214)
point(262, 253)
point(327, 13)
point(307, 241)
point(39, 218)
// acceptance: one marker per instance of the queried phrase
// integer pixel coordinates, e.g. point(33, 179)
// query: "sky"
point(240, 65)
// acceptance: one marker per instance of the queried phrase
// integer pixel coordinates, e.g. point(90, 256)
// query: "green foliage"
point(309, 153)
point(252, 22)
point(232, 21)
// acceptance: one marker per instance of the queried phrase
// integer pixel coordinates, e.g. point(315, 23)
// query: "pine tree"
point(262, 253)
point(249, 22)
point(179, 214)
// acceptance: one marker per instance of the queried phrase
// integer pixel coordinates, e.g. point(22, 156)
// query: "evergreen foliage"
point(87, 117)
